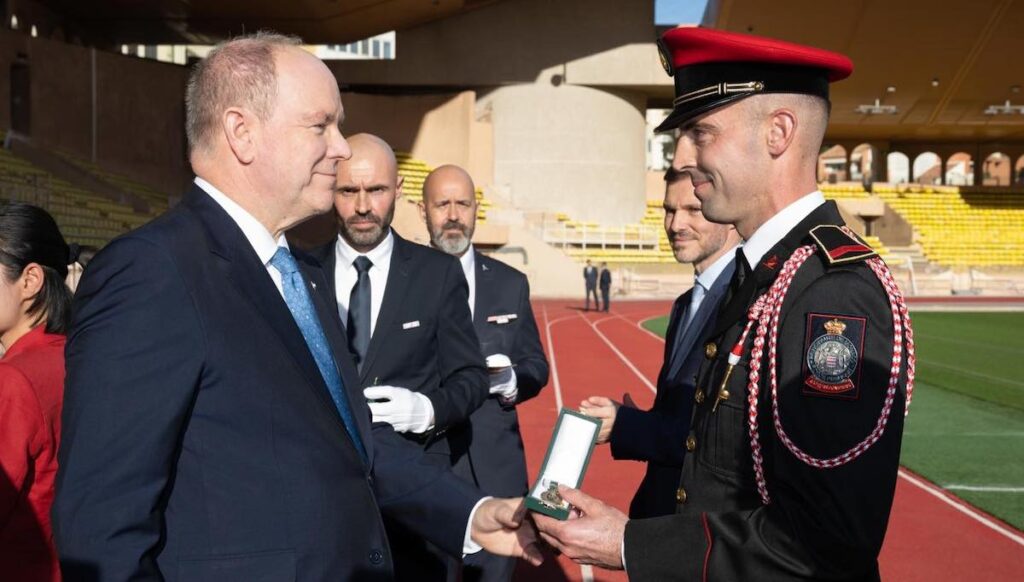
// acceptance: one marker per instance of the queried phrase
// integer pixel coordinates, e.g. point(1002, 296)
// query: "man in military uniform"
point(800, 401)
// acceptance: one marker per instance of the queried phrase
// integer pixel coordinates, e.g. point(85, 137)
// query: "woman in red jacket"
point(34, 314)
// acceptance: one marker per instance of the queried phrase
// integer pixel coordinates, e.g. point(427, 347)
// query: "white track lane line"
point(621, 356)
point(963, 508)
point(586, 572)
point(984, 488)
point(640, 325)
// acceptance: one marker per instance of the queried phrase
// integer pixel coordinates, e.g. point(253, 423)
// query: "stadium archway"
point(832, 164)
point(862, 163)
point(996, 170)
point(899, 168)
point(960, 170)
point(928, 168)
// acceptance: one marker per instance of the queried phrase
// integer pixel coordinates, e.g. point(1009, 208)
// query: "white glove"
point(502, 377)
point(403, 409)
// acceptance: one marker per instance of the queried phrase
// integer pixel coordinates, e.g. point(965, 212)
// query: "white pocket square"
point(411, 324)
point(500, 319)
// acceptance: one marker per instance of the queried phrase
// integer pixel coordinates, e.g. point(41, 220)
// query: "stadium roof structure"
point(198, 22)
point(940, 63)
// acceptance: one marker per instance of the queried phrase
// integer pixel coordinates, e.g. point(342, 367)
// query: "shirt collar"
point(258, 236)
point(710, 275)
point(379, 255)
point(468, 260)
point(778, 227)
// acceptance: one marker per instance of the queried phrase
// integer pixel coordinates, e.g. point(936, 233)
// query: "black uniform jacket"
point(821, 524)
point(488, 450)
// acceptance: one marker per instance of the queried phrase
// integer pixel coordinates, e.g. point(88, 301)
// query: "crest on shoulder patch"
point(834, 355)
point(840, 247)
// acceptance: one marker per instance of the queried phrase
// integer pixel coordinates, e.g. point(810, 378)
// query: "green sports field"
point(965, 431)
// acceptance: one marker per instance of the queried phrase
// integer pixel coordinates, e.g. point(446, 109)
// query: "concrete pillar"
point(571, 149)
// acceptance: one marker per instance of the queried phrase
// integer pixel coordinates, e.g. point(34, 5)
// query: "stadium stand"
point(83, 216)
point(976, 227)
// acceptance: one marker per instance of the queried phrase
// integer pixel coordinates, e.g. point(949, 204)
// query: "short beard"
point(368, 239)
point(451, 245)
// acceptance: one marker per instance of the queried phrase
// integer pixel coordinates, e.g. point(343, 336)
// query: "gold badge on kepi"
point(666, 58)
point(835, 349)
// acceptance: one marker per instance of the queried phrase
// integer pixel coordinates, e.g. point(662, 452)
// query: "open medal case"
point(565, 462)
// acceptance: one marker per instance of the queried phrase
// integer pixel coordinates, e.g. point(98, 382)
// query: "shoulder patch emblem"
point(839, 247)
point(834, 355)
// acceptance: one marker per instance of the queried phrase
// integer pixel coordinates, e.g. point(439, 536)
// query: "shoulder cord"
point(765, 312)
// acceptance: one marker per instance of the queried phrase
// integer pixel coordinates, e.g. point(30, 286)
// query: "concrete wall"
point(569, 149)
point(139, 107)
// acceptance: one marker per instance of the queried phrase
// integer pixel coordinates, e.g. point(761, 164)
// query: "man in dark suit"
point(408, 321)
point(805, 384)
point(590, 280)
point(488, 450)
point(605, 281)
point(658, 436)
point(214, 427)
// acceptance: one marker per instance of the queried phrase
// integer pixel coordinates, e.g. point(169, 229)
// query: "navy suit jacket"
point(200, 442)
point(438, 356)
point(489, 450)
point(658, 435)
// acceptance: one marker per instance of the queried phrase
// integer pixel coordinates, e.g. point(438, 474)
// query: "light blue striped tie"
point(299, 303)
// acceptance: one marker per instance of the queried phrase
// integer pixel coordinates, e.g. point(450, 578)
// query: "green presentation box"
point(565, 463)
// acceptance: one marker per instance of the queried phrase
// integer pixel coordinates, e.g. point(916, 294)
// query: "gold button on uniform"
point(691, 443)
point(680, 495)
point(723, 394)
point(699, 397)
point(710, 349)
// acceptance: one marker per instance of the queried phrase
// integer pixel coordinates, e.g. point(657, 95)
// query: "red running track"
point(932, 536)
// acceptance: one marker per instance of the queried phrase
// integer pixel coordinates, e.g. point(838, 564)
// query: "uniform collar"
point(773, 231)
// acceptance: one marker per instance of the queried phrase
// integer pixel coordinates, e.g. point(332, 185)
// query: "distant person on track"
point(590, 280)
point(605, 282)
point(658, 436)
point(795, 449)
point(488, 450)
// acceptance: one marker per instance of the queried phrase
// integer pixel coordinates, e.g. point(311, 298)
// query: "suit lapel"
point(250, 279)
point(484, 282)
point(708, 307)
point(328, 313)
point(394, 296)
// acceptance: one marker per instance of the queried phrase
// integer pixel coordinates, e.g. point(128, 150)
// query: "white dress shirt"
point(265, 246)
point(468, 261)
point(258, 236)
point(345, 275)
point(771, 232)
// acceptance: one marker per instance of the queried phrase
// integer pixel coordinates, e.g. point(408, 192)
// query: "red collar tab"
point(839, 247)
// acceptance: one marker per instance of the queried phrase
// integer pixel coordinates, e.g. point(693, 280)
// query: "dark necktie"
point(739, 275)
point(359, 311)
point(296, 296)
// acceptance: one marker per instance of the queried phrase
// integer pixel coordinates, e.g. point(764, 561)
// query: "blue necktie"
point(299, 303)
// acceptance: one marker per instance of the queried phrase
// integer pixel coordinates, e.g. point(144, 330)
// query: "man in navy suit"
point(488, 450)
point(658, 436)
point(214, 426)
point(407, 316)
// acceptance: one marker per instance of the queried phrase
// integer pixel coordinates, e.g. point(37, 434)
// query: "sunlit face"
point(449, 208)
point(301, 144)
point(367, 188)
point(692, 236)
point(725, 156)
